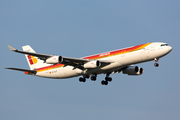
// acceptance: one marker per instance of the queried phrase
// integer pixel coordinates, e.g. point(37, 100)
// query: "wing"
point(75, 62)
point(24, 70)
point(40, 56)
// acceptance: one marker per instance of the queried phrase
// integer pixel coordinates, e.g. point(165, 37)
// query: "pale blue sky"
point(80, 28)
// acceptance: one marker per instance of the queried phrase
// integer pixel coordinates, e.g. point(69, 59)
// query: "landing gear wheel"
point(156, 60)
point(82, 79)
point(93, 78)
point(104, 82)
point(156, 64)
point(108, 79)
point(86, 76)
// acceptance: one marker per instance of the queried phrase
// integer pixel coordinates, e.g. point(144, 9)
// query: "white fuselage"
point(148, 53)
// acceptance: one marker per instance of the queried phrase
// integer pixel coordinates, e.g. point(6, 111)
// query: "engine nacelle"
point(133, 70)
point(92, 64)
point(54, 60)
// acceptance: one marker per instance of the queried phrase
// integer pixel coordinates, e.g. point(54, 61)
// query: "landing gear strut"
point(156, 60)
point(93, 77)
point(107, 79)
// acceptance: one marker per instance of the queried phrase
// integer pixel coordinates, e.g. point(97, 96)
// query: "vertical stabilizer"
point(33, 61)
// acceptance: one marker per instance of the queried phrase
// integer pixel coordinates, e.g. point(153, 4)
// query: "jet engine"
point(133, 70)
point(54, 60)
point(92, 64)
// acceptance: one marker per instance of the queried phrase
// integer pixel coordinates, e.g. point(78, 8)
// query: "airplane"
point(121, 60)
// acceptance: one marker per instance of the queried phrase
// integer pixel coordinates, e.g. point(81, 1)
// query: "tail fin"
point(33, 61)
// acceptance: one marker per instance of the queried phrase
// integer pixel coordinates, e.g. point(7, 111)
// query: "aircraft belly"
point(69, 72)
point(59, 73)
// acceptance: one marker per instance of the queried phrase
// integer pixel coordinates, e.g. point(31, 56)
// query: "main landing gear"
point(83, 79)
point(156, 60)
point(93, 78)
point(107, 79)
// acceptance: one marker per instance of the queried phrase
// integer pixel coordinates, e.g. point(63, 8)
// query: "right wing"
point(40, 56)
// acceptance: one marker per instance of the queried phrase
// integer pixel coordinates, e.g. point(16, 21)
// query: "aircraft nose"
point(170, 48)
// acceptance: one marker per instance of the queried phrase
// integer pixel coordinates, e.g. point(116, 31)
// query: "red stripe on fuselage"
point(50, 67)
point(113, 52)
point(102, 55)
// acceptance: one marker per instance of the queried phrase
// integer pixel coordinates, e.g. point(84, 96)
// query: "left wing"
point(75, 62)
point(24, 70)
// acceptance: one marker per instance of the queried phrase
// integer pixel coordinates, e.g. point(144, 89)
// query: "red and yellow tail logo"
point(32, 60)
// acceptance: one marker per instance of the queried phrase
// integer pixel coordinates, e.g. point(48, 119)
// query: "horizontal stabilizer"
point(24, 70)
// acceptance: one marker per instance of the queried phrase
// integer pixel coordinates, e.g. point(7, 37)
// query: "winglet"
point(11, 48)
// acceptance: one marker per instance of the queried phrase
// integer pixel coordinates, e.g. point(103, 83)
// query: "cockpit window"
point(164, 44)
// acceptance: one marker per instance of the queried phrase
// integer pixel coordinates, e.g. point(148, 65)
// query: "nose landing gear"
point(156, 60)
